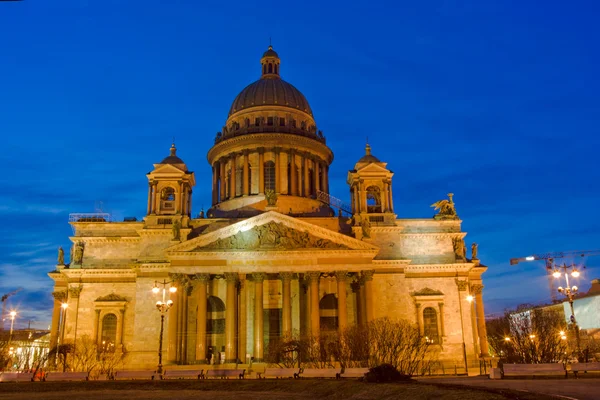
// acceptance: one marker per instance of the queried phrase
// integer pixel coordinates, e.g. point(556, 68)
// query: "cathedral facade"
point(274, 256)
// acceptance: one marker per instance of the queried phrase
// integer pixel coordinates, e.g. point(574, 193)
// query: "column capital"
point(476, 288)
point(231, 277)
point(286, 276)
point(462, 284)
point(259, 277)
point(355, 286)
point(75, 291)
point(202, 277)
point(418, 305)
point(180, 279)
point(367, 275)
point(341, 275)
point(60, 296)
point(261, 150)
point(313, 276)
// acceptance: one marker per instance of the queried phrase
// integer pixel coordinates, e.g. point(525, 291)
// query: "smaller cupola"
point(270, 64)
point(170, 187)
point(371, 190)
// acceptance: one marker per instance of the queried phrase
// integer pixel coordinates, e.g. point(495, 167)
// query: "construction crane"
point(6, 296)
point(549, 259)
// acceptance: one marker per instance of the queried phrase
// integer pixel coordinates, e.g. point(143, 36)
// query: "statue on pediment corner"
point(474, 251)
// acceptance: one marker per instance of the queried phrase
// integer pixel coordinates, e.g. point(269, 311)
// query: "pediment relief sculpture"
point(272, 235)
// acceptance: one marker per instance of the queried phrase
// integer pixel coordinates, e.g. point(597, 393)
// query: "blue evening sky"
point(495, 101)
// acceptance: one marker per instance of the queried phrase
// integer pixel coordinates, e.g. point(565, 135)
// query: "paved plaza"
point(579, 389)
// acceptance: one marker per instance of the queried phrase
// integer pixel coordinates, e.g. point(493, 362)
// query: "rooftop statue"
point(446, 208)
point(474, 251)
point(61, 256)
point(176, 230)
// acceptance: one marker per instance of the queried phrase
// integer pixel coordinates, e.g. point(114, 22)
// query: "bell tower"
point(170, 191)
point(371, 191)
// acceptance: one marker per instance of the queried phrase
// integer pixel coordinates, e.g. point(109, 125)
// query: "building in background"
point(275, 255)
point(25, 348)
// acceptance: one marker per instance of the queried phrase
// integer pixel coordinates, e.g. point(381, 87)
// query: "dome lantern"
point(270, 64)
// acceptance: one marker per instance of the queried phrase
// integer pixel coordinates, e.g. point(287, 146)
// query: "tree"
point(400, 344)
point(529, 335)
point(383, 341)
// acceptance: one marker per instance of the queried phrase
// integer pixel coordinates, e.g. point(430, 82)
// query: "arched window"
point(215, 321)
point(167, 198)
point(430, 325)
point(264, 69)
point(276, 69)
point(328, 307)
point(109, 332)
point(373, 199)
point(270, 68)
point(270, 175)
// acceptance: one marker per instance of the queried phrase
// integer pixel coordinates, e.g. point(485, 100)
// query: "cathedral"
point(274, 256)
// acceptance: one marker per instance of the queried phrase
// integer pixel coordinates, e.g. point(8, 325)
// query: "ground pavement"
point(574, 389)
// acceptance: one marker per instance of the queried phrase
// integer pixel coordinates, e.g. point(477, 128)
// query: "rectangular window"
point(270, 121)
point(293, 123)
point(281, 121)
point(257, 122)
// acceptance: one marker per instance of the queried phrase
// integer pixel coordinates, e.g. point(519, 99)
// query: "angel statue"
point(446, 208)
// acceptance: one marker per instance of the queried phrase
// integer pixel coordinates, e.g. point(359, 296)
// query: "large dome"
point(270, 105)
point(270, 92)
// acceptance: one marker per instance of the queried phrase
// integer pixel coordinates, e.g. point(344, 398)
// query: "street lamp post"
point(569, 292)
point(12, 314)
point(162, 306)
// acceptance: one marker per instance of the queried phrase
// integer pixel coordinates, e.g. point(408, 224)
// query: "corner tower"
point(269, 154)
point(371, 191)
point(170, 191)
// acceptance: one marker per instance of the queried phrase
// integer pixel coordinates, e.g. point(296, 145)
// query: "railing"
point(316, 135)
point(333, 202)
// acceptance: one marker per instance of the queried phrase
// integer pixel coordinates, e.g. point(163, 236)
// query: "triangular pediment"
point(271, 231)
point(374, 168)
point(167, 169)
